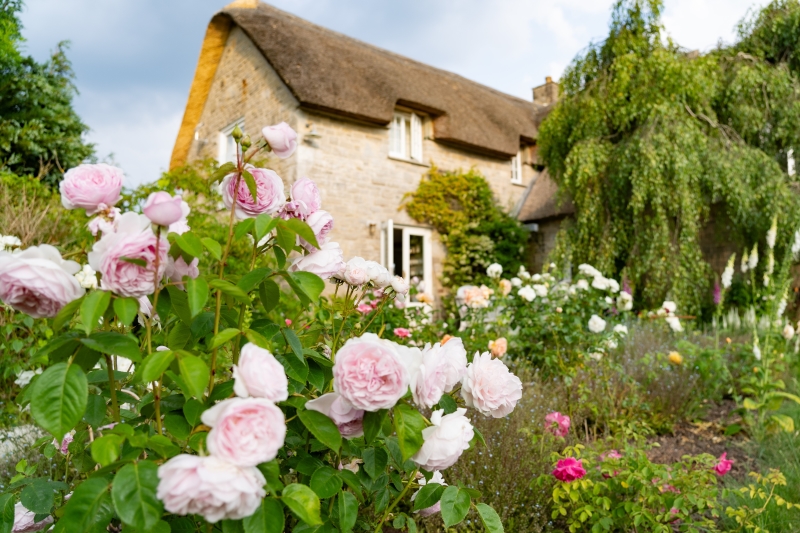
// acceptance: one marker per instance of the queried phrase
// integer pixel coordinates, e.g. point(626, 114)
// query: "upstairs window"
point(227, 146)
point(516, 169)
point(405, 137)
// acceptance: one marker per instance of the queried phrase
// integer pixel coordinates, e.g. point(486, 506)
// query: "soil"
point(706, 436)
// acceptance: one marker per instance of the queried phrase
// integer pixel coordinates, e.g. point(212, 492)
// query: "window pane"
point(416, 261)
point(396, 266)
point(407, 135)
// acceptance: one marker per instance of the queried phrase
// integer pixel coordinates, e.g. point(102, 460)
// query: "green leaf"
point(95, 410)
point(105, 449)
point(447, 403)
point(264, 224)
point(455, 505)
point(270, 294)
point(294, 342)
point(375, 461)
point(190, 243)
point(178, 336)
point(163, 446)
point(280, 256)
point(126, 309)
point(408, 423)
point(749, 404)
point(192, 409)
point(373, 422)
point(286, 238)
point(784, 421)
point(135, 261)
point(6, 512)
point(491, 521)
point(272, 473)
point(428, 495)
point(113, 343)
point(303, 502)
point(38, 496)
point(226, 287)
point(295, 369)
point(223, 171)
point(134, 495)
point(243, 228)
point(196, 294)
point(66, 314)
point(348, 511)
point(177, 426)
point(92, 308)
point(156, 364)
point(258, 339)
point(195, 373)
point(90, 508)
point(59, 397)
point(310, 284)
point(251, 280)
point(213, 247)
point(222, 337)
point(302, 229)
point(268, 518)
point(325, 482)
point(322, 428)
point(180, 304)
point(251, 185)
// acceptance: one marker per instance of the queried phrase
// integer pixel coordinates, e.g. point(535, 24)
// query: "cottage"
point(370, 124)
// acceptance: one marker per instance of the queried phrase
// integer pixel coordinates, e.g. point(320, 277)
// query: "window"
point(790, 162)
point(406, 252)
point(516, 169)
point(405, 137)
point(227, 146)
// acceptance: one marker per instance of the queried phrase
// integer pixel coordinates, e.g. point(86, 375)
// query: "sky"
point(134, 59)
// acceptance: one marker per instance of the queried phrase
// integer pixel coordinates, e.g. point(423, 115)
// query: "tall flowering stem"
point(156, 289)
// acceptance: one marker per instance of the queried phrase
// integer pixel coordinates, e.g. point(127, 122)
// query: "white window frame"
point(390, 262)
point(516, 169)
point(223, 138)
point(397, 137)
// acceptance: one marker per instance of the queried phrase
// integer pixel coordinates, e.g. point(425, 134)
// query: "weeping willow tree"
point(648, 136)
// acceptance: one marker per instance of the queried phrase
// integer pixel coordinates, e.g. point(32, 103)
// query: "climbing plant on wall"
point(648, 136)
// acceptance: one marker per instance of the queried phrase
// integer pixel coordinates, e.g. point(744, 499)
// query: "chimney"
point(546, 94)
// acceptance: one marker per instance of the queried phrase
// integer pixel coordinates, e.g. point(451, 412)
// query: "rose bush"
point(185, 397)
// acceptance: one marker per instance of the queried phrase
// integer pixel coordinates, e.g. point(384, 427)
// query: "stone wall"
point(361, 186)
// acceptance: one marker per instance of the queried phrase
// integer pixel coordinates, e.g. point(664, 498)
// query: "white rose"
point(527, 293)
point(621, 329)
point(625, 301)
point(516, 282)
point(600, 283)
point(589, 270)
point(613, 286)
point(355, 272)
point(674, 323)
point(596, 324)
point(490, 387)
point(788, 332)
point(669, 307)
point(582, 284)
point(325, 262)
point(400, 285)
point(444, 441)
point(541, 290)
point(494, 271)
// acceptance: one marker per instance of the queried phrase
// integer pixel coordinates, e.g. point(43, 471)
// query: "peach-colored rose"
point(498, 347)
point(245, 431)
point(260, 375)
point(347, 418)
point(163, 209)
point(369, 374)
point(444, 441)
point(270, 196)
point(37, 281)
point(209, 487)
point(282, 139)
point(91, 187)
point(505, 287)
point(489, 387)
point(133, 239)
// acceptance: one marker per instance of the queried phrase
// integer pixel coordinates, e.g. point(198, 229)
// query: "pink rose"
point(435, 371)
point(210, 487)
point(288, 321)
point(68, 438)
point(355, 272)
point(37, 281)
point(569, 469)
point(489, 387)
point(269, 193)
point(305, 197)
point(181, 226)
point(346, 417)
point(245, 431)
point(724, 465)
point(133, 239)
point(557, 424)
point(403, 333)
point(177, 269)
point(369, 374)
point(610, 454)
point(25, 520)
point(89, 186)
point(163, 209)
point(282, 139)
point(325, 262)
point(260, 375)
point(444, 441)
point(498, 347)
point(364, 308)
point(321, 223)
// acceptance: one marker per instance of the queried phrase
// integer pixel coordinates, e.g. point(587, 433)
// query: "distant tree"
point(648, 136)
point(40, 133)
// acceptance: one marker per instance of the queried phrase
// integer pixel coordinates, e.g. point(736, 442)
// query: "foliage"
point(476, 231)
point(40, 133)
point(760, 495)
point(646, 138)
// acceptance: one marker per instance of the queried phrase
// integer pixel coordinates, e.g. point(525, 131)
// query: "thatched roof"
point(541, 202)
point(331, 72)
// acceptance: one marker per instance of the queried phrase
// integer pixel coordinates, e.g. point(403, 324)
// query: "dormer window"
point(405, 137)
point(227, 146)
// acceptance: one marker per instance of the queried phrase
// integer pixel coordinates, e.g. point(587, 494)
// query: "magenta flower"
point(717, 294)
point(557, 424)
point(569, 469)
point(724, 465)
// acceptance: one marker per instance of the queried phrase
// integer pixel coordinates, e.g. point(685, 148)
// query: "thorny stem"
point(156, 289)
point(376, 313)
point(112, 385)
point(345, 314)
point(397, 500)
point(236, 345)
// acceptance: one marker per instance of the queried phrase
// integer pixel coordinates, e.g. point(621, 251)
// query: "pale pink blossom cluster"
point(245, 431)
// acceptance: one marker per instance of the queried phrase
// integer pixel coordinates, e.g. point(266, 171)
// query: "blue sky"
point(134, 59)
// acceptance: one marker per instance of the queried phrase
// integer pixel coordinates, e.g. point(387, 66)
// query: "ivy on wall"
point(461, 207)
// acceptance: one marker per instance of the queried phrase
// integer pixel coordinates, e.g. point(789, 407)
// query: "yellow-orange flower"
point(675, 358)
